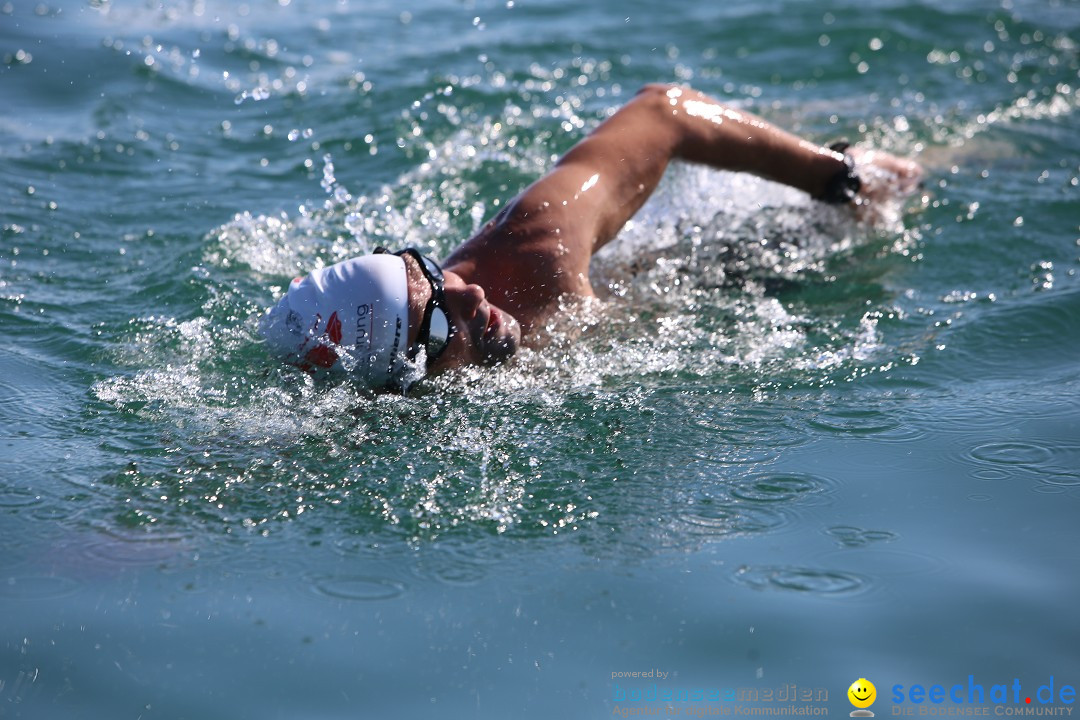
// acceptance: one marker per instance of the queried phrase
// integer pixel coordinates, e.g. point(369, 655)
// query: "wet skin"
point(484, 334)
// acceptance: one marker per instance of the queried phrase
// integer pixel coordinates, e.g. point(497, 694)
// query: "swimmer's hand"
point(884, 176)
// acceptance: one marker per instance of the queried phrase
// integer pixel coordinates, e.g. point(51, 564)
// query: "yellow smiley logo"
point(862, 693)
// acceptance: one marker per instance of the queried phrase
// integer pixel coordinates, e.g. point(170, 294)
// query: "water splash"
point(693, 288)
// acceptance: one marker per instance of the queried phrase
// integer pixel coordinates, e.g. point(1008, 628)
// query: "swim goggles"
point(436, 330)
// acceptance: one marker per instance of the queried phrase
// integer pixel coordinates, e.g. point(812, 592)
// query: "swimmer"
point(391, 318)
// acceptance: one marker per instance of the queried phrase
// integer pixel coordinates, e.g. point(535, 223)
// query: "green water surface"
point(786, 448)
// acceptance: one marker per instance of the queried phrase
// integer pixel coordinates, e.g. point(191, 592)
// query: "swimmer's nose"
point(471, 297)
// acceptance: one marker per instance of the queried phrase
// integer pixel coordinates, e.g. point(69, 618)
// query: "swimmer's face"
point(484, 334)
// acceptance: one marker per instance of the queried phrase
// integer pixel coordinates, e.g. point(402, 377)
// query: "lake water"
point(787, 449)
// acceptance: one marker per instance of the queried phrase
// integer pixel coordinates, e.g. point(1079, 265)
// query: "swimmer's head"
point(389, 320)
point(352, 317)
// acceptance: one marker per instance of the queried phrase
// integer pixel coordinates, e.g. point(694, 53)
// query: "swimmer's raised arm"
point(538, 248)
point(605, 178)
point(631, 150)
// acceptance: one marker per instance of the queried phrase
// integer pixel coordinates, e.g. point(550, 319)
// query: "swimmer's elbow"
point(652, 106)
point(657, 89)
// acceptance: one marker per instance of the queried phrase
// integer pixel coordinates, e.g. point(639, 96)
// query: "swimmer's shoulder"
point(522, 265)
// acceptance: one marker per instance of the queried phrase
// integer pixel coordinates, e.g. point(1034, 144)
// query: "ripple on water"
point(134, 549)
point(18, 497)
point(812, 581)
point(749, 505)
point(749, 426)
point(357, 587)
point(778, 487)
point(34, 407)
point(461, 574)
point(990, 474)
point(1060, 477)
point(460, 563)
point(942, 418)
point(1012, 453)
point(1044, 489)
point(1001, 460)
point(352, 545)
point(54, 512)
point(720, 519)
point(851, 421)
point(852, 537)
point(37, 587)
point(1001, 410)
point(735, 456)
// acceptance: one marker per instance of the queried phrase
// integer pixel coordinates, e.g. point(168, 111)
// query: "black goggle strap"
point(435, 327)
point(436, 320)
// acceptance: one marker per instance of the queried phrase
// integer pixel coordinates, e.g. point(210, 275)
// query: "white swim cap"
point(351, 317)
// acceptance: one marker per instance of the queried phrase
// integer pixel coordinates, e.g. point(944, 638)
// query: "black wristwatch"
point(844, 185)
